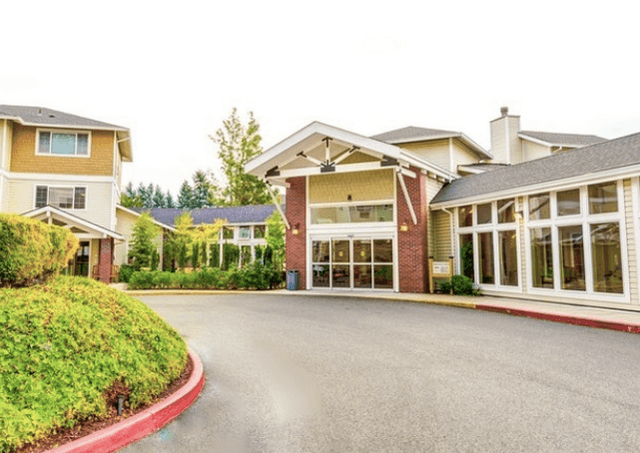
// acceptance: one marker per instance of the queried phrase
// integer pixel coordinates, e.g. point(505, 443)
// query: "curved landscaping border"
point(140, 425)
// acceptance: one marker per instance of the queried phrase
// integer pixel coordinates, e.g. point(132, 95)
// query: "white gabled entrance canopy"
point(82, 228)
point(319, 148)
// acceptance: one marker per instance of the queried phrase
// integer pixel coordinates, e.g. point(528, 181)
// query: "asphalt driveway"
point(301, 374)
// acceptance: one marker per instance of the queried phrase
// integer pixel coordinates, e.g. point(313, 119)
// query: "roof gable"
point(41, 116)
point(562, 139)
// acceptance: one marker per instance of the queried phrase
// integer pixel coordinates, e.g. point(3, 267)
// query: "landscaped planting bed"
point(68, 347)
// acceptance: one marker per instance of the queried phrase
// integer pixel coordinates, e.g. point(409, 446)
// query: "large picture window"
point(352, 214)
point(63, 143)
point(584, 231)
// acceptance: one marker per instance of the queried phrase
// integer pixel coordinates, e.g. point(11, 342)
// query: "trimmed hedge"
point(252, 276)
point(32, 250)
point(66, 344)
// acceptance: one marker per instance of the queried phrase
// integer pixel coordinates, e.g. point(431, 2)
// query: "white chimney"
point(505, 144)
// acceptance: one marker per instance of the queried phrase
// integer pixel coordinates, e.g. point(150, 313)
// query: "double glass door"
point(350, 263)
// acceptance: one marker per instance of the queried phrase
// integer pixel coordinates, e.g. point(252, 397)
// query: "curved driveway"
point(288, 374)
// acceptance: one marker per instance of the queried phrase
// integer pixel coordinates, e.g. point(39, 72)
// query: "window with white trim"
point(574, 239)
point(488, 243)
point(63, 143)
point(61, 197)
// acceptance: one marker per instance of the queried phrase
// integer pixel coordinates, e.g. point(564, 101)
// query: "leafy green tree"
point(142, 242)
point(275, 237)
point(130, 197)
point(238, 143)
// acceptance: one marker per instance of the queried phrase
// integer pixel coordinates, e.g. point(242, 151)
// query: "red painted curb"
point(588, 322)
point(140, 425)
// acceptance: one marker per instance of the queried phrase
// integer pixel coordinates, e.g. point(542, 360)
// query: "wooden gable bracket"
point(389, 161)
point(346, 154)
point(272, 172)
point(278, 207)
point(406, 196)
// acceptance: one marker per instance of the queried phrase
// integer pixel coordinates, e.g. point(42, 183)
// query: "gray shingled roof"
point(609, 155)
point(235, 215)
point(411, 133)
point(42, 116)
point(559, 139)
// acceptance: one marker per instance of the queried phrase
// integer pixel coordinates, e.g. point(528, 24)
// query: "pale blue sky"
point(172, 71)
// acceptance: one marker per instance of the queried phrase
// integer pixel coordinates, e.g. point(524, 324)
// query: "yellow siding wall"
point(441, 225)
point(435, 152)
point(462, 155)
point(25, 160)
point(532, 150)
point(498, 142)
point(99, 203)
point(95, 255)
point(631, 242)
point(362, 186)
point(433, 186)
point(358, 158)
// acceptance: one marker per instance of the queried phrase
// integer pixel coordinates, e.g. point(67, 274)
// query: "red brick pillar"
point(105, 260)
point(412, 244)
point(296, 245)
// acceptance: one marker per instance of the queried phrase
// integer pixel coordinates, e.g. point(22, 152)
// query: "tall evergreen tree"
point(185, 196)
point(130, 198)
point(203, 190)
point(158, 199)
point(237, 145)
point(169, 203)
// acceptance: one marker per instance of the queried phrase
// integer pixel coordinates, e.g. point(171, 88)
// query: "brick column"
point(105, 260)
point(296, 245)
point(412, 244)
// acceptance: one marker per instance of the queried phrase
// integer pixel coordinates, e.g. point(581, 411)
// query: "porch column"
point(296, 244)
point(412, 239)
point(105, 260)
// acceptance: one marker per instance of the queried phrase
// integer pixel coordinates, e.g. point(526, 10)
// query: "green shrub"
point(461, 285)
point(32, 250)
point(125, 273)
point(141, 280)
point(64, 344)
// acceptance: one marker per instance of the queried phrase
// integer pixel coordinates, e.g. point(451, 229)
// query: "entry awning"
point(82, 228)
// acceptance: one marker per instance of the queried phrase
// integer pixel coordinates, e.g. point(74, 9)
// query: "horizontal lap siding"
point(25, 160)
point(435, 152)
point(360, 186)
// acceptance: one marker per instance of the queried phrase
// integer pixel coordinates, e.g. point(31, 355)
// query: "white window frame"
point(63, 131)
point(585, 220)
point(494, 228)
point(73, 190)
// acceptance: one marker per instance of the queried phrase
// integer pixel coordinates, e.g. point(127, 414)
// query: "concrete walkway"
point(613, 317)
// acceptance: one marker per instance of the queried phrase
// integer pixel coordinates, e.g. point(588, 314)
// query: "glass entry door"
point(347, 263)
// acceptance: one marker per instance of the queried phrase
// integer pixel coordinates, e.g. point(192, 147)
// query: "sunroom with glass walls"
point(577, 242)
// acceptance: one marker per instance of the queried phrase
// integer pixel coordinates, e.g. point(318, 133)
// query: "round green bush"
point(65, 344)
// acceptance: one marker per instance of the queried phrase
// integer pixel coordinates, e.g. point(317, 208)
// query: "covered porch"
point(95, 256)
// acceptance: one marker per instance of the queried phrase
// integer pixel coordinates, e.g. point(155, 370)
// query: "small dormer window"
point(65, 143)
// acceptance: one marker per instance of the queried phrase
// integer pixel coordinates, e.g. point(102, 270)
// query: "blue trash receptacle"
point(292, 280)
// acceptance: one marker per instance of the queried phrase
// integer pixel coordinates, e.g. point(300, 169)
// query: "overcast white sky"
point(172, 71)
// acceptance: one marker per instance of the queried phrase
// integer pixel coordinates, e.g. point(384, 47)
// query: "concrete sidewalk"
point(619, 317)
